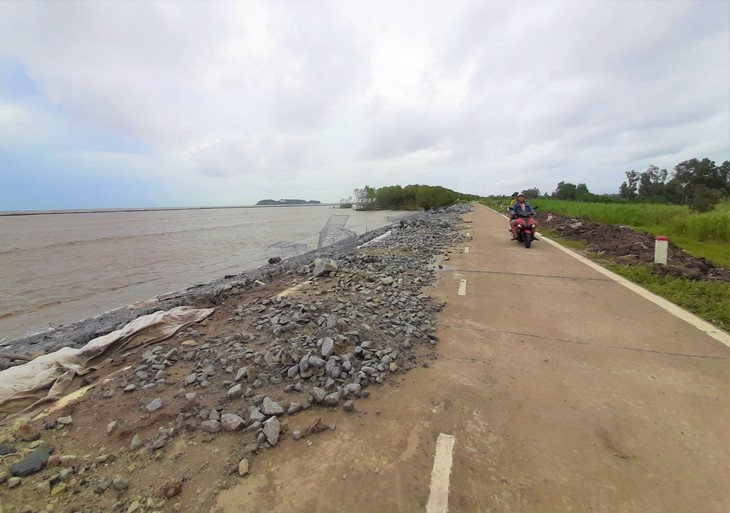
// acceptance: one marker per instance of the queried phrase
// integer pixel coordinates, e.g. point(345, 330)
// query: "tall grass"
point(708, 299)
point(704, 235)
point(677, 220)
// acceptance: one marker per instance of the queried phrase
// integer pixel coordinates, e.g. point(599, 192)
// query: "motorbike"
point(526, 228)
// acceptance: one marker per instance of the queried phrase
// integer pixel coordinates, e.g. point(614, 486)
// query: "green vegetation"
point(703, 235)
point(410, 197)
point(287, 202)
point(699, 184)
point(707, 299)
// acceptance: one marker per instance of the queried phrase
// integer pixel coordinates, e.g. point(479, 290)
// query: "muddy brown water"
point(58, 268)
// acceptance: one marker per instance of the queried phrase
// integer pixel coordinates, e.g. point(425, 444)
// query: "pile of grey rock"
point(362, 316)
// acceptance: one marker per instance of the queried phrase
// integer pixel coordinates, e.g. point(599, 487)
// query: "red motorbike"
point(526, 228)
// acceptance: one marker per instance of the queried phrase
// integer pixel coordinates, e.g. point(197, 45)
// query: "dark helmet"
point(515, 194)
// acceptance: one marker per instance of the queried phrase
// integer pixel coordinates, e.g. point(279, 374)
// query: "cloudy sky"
point(182, 103)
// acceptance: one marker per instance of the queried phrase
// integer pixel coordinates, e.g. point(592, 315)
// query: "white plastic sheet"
point(48, 377)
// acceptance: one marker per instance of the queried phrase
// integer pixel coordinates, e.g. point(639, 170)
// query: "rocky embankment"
point(164, 428)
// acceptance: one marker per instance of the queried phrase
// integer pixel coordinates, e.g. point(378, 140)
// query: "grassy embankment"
point(703, 235)
point(707, 299)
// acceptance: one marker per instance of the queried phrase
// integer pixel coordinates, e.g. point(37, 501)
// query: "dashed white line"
point(438, 498)
point(466, 249)
point(462, 287)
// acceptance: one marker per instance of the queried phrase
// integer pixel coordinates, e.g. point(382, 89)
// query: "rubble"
point(318, 341)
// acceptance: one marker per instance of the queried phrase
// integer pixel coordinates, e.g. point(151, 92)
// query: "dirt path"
point(564, 391)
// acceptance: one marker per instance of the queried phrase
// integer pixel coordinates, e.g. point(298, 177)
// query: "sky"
point(114, 104)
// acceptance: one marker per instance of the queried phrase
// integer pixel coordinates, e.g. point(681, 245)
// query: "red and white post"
point(661, 249)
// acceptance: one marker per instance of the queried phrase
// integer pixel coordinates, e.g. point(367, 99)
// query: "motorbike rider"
point(520, 206)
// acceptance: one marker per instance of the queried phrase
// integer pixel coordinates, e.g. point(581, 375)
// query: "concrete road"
point(563, 390)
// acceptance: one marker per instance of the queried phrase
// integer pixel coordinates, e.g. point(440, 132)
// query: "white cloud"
point(324, 96)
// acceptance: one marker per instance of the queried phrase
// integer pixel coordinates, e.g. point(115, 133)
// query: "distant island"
point(288, 202)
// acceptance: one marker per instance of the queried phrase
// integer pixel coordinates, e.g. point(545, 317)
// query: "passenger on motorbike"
point(511, 212)
point(520, 206)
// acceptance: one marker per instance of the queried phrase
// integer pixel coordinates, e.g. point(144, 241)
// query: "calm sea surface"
point(59, 268)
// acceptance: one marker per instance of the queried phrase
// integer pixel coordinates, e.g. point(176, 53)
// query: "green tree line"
point(410, 197)
point(697, 184)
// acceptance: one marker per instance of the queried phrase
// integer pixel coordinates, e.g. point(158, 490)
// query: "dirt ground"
point(624, 245)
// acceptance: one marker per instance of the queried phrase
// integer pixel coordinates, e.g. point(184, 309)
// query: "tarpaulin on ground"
point(48, 377)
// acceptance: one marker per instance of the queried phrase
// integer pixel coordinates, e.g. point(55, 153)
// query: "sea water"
point(56, 268)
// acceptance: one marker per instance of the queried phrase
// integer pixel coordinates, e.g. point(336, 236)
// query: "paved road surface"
point(564, 391)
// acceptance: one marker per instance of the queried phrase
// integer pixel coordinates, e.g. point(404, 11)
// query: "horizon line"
point(9, 213)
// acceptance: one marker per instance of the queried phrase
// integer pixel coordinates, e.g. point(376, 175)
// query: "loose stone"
point(210, 426)
point(136, 443)
point(243, 467)
point(332, 399)
point(119, 483)
point(294, 408)
point(270, 407)
point(272, 429)
point(235, 392)
point(254, 414)
point(154, 405)
point(328, 346)
point(318, 394)
point(231, 422)
point(7, 449)
point(32, 463)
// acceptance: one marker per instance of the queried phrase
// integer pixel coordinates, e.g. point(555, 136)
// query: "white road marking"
point(670, 307)
point(468, 234)
point(462, 287)
point(438, 498)
point(466, 249)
